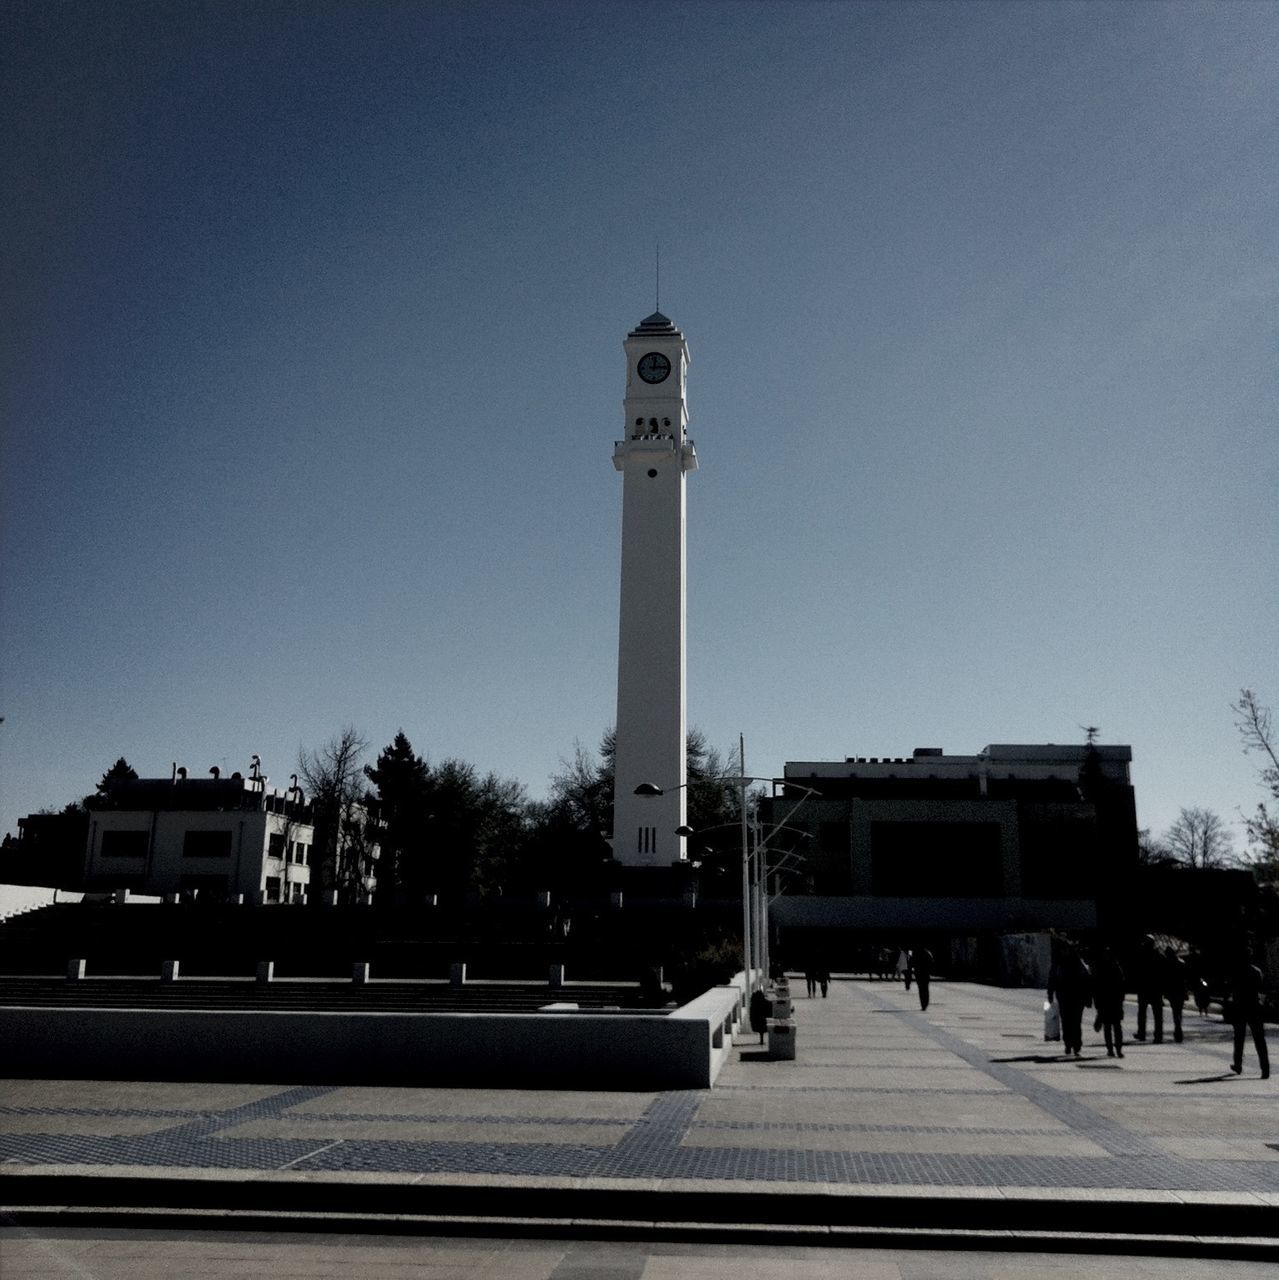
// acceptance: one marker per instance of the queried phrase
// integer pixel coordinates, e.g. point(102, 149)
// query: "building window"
point(273, 888)
point(301, 851)
point(124, 844)
point(206, 844)
point(275, 845)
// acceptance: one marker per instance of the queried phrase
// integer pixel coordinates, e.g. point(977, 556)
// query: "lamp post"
point(754, 904)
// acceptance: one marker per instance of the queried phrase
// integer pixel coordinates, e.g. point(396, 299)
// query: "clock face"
point(654, 367)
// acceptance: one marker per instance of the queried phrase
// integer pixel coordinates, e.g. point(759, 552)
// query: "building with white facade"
point(215, 838)
point(654, 457)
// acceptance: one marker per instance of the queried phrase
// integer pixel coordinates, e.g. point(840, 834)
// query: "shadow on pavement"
point(1038, 1057)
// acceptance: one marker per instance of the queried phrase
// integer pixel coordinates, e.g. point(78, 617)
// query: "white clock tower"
point(651, 719)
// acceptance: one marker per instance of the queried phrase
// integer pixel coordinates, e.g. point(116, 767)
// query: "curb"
point(1244, 1249)
point(1119, 1226)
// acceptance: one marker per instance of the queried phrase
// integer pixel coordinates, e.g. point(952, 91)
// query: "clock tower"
point(654, 458)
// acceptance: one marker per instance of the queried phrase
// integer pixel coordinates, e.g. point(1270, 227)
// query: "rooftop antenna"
point(1091, 731)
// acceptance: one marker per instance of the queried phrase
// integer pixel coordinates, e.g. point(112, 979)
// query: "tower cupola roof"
point(655, 326)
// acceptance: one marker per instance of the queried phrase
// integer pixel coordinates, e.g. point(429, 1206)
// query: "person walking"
point(761, 1009)
point(1245, 1012)
point(1108, 993)
point(1069, 982)
point(1149, 977)
point(1174, 970)
point(823, 979)
point(810, 979)
point(922, 963)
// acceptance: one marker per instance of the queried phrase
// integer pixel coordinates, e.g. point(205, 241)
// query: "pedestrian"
point(823, 979)
point(922, 964)
point(1244, 1005)
point(761, 1010)
point(1197, 973)
point(1108, 993)
point(1174, 968)
point(904, 966)
point(1149, 981)
point(810, 979)
point(1070, 983)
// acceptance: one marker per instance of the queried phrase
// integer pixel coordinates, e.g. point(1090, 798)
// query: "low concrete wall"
point(720, 1011)
point(682, 1050)
point(17, 898)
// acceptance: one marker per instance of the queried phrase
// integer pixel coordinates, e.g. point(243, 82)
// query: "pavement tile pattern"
point(964, 1095)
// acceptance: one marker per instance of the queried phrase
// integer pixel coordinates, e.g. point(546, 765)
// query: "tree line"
point(448, 828)
point(1200, 839)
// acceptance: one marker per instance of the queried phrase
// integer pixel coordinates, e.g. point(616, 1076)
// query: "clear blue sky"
point(312, 370)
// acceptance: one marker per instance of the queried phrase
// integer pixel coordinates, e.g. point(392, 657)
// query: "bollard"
point(172, 899)
point(457, 975)
point(331, 898)
point(75, 970)
point(266, 970)
point(236, 900)
point(169, 971)
point(781, 1038)
point(556, 976)
point(615, 900)
point(542, 899)
point(360, 972)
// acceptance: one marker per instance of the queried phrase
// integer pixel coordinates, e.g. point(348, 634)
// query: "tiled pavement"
point(964, 1100)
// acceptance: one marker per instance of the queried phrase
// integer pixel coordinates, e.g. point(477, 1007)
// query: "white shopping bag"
point(1052, 1020)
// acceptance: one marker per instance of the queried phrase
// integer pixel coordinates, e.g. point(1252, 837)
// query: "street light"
point(752, 901)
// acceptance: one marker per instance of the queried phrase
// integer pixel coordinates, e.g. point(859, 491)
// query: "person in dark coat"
point(1245, 1012)
point(1069, 983)
point(922, 963)
point(1150, 990)
point(1175, 992)
point(1108, 993)
point(761, 1010)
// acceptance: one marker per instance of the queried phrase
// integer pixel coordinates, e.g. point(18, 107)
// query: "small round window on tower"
point(666, 422)
point(652, 422)
point(652, 473)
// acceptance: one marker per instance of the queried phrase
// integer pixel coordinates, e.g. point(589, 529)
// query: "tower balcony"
point(654, 446)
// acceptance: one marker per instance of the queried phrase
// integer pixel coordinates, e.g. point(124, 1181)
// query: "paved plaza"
point(885, 1110)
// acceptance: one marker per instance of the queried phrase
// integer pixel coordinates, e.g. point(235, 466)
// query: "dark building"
point(49, 851)
point(1013, 839)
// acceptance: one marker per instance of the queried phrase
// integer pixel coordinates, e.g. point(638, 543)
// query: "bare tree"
point(1201, 840)
point(1150, 851)
point(334, 779)
point(1256, 729)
